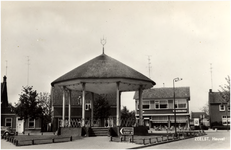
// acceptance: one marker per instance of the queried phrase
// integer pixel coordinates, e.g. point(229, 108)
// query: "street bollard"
point(28, 134)
point(41, 133)
point(110, 138)
point(17, 143)
point(71, 138)
point(144, 141)
point(32, 142)
point(121, 139)
point(130, 140)
point(156, 139)
point(150, 141)
point(53, 140)
point(162, 138)
point(172, 137)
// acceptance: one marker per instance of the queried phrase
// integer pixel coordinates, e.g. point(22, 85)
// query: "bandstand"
point(101, 75)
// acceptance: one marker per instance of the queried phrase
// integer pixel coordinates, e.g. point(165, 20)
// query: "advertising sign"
point(196, 122)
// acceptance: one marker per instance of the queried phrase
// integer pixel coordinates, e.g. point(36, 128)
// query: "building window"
point(163, 104)
point(157, 104)
point(225, 119)
point(8, 122)
point(228, 107)
point(152, 104)
point(137, 105)
point(180, 103)
point(222, 107)
point(31, 123)
point(145, 104)
point(88, 106)
point(170, 104)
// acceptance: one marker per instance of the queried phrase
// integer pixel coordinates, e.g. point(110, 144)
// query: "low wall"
point(71, 131)
point(141, 130)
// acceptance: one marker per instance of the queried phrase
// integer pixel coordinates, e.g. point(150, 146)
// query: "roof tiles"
point(166, 92)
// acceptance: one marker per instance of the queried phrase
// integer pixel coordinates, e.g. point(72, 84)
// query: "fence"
point(103, 122)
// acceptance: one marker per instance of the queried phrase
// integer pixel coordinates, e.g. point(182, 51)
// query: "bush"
point(204, 127)
point(216, 123)
point(221, 127)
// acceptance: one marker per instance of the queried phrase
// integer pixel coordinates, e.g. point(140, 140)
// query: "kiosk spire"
point(103, 42)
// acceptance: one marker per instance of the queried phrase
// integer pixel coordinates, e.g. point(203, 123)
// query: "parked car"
point(6, 131)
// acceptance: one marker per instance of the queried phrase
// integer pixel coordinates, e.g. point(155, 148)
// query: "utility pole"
point(6, 67)
point(211, 70)
point(149, 66)
point(28, 64)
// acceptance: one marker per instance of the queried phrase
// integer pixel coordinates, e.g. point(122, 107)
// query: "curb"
point(163, 142)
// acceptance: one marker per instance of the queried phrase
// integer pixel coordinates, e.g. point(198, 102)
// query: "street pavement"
point(100, 142)
point(213, 140)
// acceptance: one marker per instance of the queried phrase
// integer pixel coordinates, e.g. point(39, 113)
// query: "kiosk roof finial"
point(103, 42)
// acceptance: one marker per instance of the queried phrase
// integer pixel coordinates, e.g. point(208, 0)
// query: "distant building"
point(158, 107)
point(218, 110)
point(10, 119)
point(202, 117)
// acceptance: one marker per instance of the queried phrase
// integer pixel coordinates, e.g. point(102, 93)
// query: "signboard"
point(127, 131)
point(180, 110)
point(196, 122)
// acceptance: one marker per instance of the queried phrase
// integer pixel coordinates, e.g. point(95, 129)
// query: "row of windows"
point(225, 120)
point(222, 107)
point(163, 104)
point(31, 122)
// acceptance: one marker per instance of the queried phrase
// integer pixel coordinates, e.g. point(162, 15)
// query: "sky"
point(190, 40)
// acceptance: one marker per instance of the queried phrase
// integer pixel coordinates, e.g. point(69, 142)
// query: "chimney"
point(210, 91)
point(4, 79)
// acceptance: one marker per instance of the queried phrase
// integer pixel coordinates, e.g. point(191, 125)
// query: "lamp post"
point(174, 101)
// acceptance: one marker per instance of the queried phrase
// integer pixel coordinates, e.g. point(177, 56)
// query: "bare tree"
point(45, 103)
point(225, 91)
point(205, 108)
point(225, 94)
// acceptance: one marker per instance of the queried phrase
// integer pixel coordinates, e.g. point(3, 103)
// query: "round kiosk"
point(102, 75)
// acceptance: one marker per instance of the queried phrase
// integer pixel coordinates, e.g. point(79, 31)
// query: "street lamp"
point(174, 101)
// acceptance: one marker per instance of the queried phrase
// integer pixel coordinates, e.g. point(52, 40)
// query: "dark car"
point(6, 131)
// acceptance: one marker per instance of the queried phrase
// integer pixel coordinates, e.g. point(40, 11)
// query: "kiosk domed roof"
point(102, 67)
point(101, 73)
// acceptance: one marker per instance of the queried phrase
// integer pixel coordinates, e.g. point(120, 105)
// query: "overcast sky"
point(183, 39)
